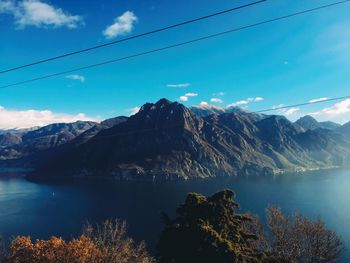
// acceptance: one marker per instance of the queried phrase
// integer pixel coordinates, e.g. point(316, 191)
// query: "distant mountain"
point(90, 133)
point(344, 130)
point(113, 121)
point(9, 139)
point(310, 123)
point(17, 145)
point(29, 148)
point(207, 109)
point(166, 140)
point(18, 131)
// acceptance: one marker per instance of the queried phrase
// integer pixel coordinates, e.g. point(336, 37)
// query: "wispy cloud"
point(76, 77)
point(183, 98)
point(285, 111)
point(258, 99)
point(134, 110)
point(10, 119)
point(290, 111)
point(339, 112)
point(122, 25)
point(278, 106)
point(245, 102)
point(39, 14)
point(238, 103)
point(191, 94)
point(180, 85)
point(218, 94)
point(187, 96)
point(216, 100)
point(318, 100)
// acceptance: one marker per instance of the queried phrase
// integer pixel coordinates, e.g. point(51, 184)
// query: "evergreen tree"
point(208, 229)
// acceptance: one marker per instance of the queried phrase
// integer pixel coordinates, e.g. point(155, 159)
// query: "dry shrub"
point(111, 239)
point(106, 243)
point(298, 239)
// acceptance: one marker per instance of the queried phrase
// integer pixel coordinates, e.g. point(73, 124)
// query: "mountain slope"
point(207, 109)
point(310, 123)
point(25, 149)
point(162, 138)
point(166, 140)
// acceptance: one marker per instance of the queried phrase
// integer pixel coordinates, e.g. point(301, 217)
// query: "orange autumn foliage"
point(107, 243)
point(54, 250)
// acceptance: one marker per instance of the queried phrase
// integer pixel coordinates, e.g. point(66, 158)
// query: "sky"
point(305, 58)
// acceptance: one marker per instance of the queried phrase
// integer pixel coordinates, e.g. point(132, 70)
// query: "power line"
point(300, 104)
point(132, 37)
point(176, 45)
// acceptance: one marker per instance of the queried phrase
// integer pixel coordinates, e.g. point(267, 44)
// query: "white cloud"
point(183, 98)
point(187, 96)
point(39, 14)
point(244, 102)
point(180, 85)
point(204, 103)
point(339, 112)
point(76, 77)
point(318, 100)
point(278, 106)
point(133, 110)
point(122, 25)
point(10, 119)
point(216, 100)
point(238, 103)
point(191, 94)
point(280, 109)
point(290, 111)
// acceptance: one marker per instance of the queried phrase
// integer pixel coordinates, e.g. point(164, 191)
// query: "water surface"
point(42, 210)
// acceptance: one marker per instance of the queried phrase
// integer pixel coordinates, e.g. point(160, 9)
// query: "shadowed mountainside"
point(166, 140)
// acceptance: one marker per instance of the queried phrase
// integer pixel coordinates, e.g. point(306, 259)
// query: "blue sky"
point(287, 62)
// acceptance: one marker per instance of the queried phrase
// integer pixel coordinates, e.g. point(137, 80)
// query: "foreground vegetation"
point(206, 229)
point(209, 229)
point(105, 243)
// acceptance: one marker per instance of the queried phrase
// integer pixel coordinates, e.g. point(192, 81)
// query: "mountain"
point(9, 139)
point(310, 123)
point(21, 148)
point(207, 109)
point(29, 148)
point(344, 129)
point(90, 133)
point(108, 123)
point(166, 140)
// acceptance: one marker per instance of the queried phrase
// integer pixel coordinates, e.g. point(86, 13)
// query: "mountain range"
point(166, 140)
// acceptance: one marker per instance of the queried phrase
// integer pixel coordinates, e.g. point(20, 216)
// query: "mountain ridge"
point(165, 140)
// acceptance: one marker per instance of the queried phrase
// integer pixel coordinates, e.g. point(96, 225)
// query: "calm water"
point(42, 210)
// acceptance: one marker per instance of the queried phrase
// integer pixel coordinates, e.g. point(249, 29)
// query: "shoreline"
point(28, 175)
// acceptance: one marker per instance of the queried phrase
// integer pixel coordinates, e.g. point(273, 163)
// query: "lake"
point(60, 208)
